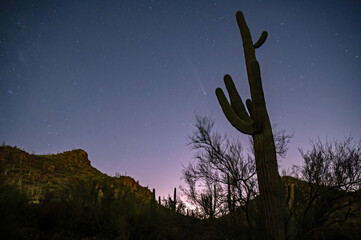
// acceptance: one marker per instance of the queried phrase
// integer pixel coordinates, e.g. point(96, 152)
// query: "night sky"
point(123, 79)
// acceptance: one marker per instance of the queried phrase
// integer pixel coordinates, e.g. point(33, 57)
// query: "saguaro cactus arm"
point(261, 40)
point(235, 112)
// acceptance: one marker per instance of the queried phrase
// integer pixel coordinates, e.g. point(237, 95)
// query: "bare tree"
point(330, 193)
point(220, 162)
point(222, 173)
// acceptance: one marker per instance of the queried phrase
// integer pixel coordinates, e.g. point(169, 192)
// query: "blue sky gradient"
point(123, 79)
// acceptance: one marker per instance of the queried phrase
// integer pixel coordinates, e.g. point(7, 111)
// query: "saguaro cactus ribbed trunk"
point(257, 124)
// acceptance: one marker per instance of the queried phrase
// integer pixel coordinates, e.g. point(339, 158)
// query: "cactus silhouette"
point(153, 198)
point(214, 200)
point(210, 202)
point(230, 201)
point(173, 203)
point(256, 123)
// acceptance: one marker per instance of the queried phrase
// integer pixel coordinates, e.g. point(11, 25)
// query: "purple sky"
point(123, 79)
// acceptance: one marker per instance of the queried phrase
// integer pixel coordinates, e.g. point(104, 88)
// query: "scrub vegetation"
point(61, 196)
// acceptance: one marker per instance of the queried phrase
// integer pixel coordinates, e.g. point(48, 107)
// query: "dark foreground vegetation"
point(81, 216)
point(322, 195)
point(62, 197)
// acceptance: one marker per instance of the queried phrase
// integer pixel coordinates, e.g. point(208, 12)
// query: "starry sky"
point(123, 80)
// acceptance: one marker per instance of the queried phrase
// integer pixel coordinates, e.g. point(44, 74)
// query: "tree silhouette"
point(257, 124)
point(222, 171)
point(330, 193)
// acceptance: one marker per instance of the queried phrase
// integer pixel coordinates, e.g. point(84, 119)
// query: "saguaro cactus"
point(153, 198)
point(173, 203)
point(256, 123)
point(230, 201)
point(210, 202)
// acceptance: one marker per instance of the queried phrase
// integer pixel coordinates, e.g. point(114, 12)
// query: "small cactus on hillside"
point(153, 198)
point(174, 202)
point(230, 201)
point(209, 203)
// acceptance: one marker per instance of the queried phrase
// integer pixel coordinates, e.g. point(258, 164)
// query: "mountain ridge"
point(35, 175)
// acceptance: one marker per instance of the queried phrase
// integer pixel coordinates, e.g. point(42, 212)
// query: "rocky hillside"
point(36, 175)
